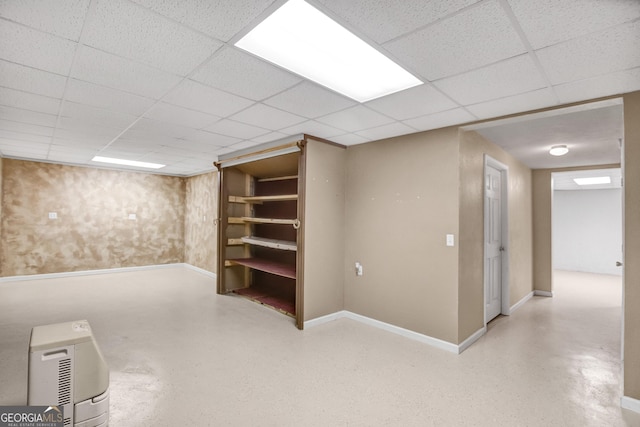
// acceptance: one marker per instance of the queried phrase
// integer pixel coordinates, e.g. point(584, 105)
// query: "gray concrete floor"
point(180, 355)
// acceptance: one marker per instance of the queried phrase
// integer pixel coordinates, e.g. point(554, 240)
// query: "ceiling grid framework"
point(162, 82)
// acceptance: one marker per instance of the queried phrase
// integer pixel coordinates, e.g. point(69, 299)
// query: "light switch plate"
point(450, 240)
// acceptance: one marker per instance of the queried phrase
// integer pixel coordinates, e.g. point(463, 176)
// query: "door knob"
point(618, 264)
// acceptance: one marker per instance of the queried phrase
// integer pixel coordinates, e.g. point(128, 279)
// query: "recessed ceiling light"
point(305, 41)
point(127, 162)
point(558, 150)
point(593, 180)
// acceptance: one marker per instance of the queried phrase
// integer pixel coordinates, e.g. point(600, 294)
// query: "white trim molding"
point(10, 279)
point(630, 403)
point(542, 293)
point(416, 336)
point(520, 303)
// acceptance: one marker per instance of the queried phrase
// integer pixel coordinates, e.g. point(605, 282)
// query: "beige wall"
point(92, 230)
point(632, 245)
point(201, 209)
point(324, 217)
point(1, 197)
point(400, 206)
point(473, 148)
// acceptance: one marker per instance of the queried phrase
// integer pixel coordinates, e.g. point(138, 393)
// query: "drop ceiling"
point(161, 81)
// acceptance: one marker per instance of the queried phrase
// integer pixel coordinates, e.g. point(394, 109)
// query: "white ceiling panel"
point(26, 116)
point(242, 74)
point(309, 100)
point(314, 128)
point(181, 116)
point(197, 96)
point(213, 17)
point(350, 139)
point(440, 120)
point(119, 73)
point(248, 144)
point(236, 129)
point(383, 21)
point(536, 99)
point(148, 128)
point(547, 22)
point(267, 117)
point(64, 18)
point(128, 30)
point(31, 80)
point(473, 38)
point(355, 119)
point(210, 138)
point(595, 87)
point(13, 126)
point(35, 49)
point(26, 137)
point(506, 78)
point(386, 131)
point(17, 144)
point(29, 101)
point(269, 137)
point(98, 116)
point(103, 97)
point(417, 101)
point(615, 49)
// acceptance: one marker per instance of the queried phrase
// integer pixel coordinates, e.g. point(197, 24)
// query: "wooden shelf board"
point(262, 199)
point(285, 245)
point(268, 220)
point(277, 268)
point(278, 178)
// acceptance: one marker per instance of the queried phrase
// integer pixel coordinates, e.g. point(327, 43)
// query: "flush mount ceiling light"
point(558, 150)
point(593, 180)
point(127, 162)
point(302, 39)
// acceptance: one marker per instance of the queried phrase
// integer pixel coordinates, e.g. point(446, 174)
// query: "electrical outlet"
point(358, 269)
point(53, 215)
point(132, 216)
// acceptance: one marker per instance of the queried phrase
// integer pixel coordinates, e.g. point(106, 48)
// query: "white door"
point(493, 243)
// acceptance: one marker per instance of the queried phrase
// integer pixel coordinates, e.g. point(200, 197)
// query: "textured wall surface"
point(201, 208)
point(92, 229)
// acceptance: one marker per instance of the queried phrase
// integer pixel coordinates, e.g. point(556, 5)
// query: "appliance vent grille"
point(67, 421)
point(64, 382)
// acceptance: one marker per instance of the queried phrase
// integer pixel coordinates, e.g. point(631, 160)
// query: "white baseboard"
point(200, 270)
point(519, 304)
point(630, 403)
point(543, 293)
point(434, 342)
point(9, 279)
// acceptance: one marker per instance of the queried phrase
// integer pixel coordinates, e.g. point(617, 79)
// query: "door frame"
point(489, 161)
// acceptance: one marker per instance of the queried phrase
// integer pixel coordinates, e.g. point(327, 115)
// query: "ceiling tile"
point(154, 130)
point(615, 49)
point(476, 37)
point(29, 101)
point(540, 98)
point(350, 139)
point(118, 73)
point(309, 100)
point(242, 74)
point(236, 129)
point(248, 144)
point(13, 126)
point(98, 116)
point(128, 30)
point(210, 138)
point(32, 153)
point(383, 21)
point(64, 18)
point(21, 136)
point(506, 78)
point(355, 118)
point(31, 80)
point(196, 96)
point(17, 144)
point(267, 117)
point(270, 137)
point(213, 17)
point(35, 49)
point(26, 116)
point(595, 87)
point(103, 97)
point(181, 116)
point(417, 101)
point(547, 22)
point(386, 131)
point(312, 127)
point(441, 120)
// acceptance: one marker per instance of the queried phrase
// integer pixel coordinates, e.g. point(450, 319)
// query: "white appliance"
point(67, 369)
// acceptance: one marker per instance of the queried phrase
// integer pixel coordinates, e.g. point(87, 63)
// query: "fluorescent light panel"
point(302, 39)
point(127, 162)
point(593, 180)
